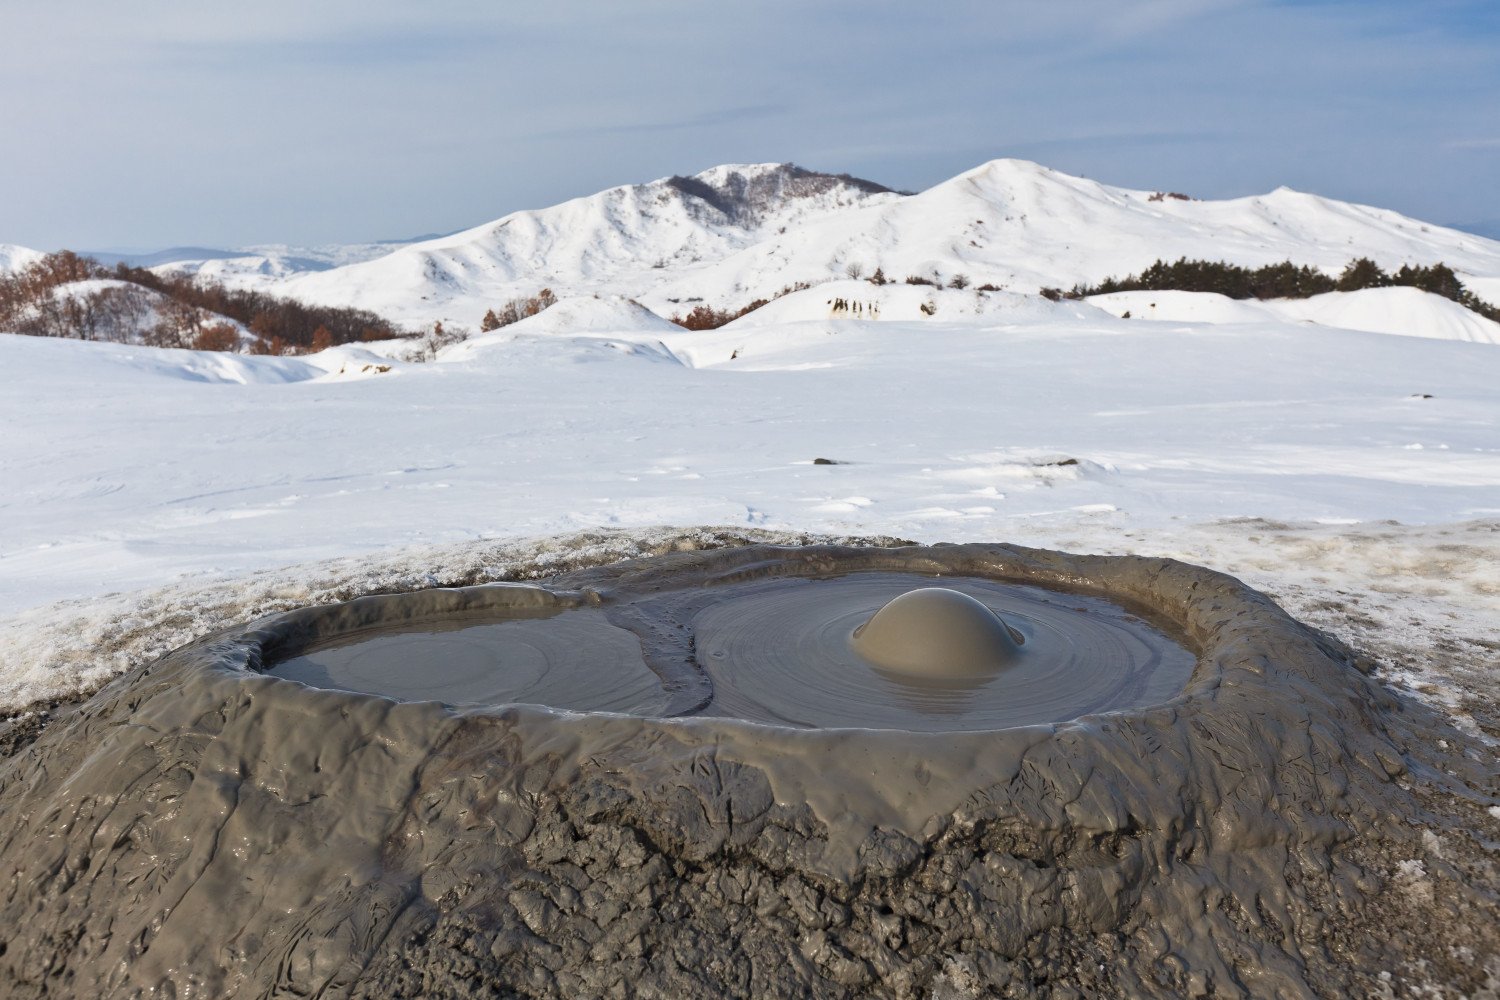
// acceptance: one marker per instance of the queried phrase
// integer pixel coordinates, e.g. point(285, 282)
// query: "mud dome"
point(204, 828)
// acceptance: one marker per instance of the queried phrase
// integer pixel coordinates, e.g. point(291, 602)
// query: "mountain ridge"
point(736, 233)
point(1008, 222)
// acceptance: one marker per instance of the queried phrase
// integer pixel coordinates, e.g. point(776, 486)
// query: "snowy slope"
point(588, 317)
point(13, 257)
point(592, 314)
point(1406, 311)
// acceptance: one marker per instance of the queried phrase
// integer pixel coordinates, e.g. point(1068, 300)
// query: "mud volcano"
point(943, 771)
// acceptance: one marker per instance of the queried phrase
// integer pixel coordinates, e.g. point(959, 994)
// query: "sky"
point(162, 123)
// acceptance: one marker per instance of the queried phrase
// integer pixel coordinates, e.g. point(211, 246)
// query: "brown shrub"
point(217, 337)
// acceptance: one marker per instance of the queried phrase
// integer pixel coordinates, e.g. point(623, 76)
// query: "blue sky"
point(163, 123)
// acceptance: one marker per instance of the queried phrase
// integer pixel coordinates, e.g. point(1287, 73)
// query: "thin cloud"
point(368, 48)
point(284, 121)
point(710, 119)
point(1111, 140)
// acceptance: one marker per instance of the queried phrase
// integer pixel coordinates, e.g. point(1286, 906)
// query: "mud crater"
point(880, 650)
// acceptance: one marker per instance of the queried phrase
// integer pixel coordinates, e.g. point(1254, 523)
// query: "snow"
point(13, 257)
point(1184, 307)
point(860, 300)
point(592, 315)
point(1405, 311)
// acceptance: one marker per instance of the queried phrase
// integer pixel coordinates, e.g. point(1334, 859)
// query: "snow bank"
point(594, 314)
point(590, 328)
point(1184, 307)
point(73, 362)
point(1409, 312)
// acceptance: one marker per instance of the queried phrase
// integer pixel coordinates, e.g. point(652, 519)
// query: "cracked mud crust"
point(1285, 827)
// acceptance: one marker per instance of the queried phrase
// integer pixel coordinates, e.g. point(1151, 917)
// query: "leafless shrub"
point(217, 337)
point(517, 309)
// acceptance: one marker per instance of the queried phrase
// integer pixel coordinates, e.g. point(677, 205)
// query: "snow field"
point(155, 494)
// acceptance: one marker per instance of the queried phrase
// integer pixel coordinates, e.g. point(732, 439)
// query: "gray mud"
point(568, 658)
point(787, 650)
point(799, 652)
point(1278, 825)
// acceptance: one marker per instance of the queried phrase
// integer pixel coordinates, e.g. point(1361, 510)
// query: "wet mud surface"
point(571, 659)
point(1273, 822)
point(782, 649)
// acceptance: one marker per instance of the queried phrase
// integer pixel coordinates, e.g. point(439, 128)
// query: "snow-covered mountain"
point(1023, 227)
point(736, 233)
point(263, 266)
point(624, 241)
point(252, 266)
point(733, 234)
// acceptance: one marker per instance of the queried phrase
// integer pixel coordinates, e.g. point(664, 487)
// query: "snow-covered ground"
point(152, 493)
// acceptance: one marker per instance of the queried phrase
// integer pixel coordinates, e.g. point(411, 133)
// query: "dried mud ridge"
point(1284, 827)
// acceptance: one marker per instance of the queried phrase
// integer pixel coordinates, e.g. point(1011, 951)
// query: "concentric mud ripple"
point(202, 828)
point(784, 655)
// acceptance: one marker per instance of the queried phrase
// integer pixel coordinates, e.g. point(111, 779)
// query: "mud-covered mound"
point(203, 828)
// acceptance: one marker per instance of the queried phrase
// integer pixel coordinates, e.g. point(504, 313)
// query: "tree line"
point(44, 299)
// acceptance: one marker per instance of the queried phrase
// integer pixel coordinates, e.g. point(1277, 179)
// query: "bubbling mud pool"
point(745, 771)
point(872, 650)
